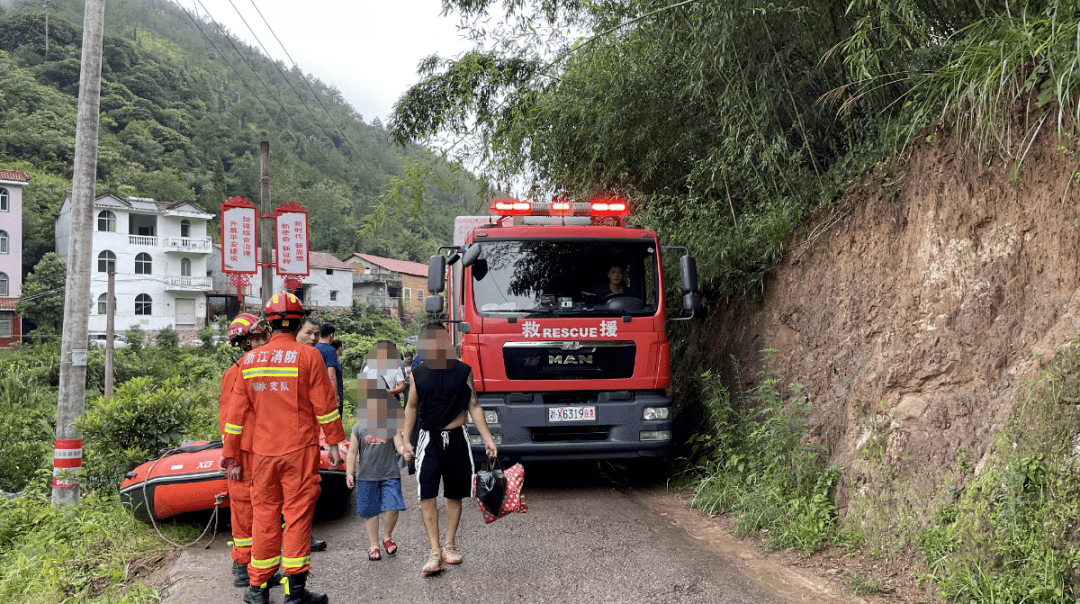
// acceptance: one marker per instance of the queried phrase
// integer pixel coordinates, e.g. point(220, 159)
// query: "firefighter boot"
point(296, 593)
point(257, 595)
point(240, 575)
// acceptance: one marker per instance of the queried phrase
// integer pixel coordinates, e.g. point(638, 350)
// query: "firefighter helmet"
point(283, 306)
point(244, 326)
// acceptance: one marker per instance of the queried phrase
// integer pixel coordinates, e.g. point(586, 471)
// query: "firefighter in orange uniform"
point(246, 332)
point(283, 398)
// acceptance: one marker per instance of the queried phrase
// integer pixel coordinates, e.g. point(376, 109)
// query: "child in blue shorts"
point(377, 478)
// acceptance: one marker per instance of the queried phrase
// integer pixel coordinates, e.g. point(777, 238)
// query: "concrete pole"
point(110, 320)
point(72, 392)
point(266, 228)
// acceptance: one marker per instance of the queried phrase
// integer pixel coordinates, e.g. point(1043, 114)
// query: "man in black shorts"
point(441, 391)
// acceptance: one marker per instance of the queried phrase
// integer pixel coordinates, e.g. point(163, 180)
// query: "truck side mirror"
point(433, 304)
point(470, 255)
point(436, 274)
point(691, 301)
point(687, 271)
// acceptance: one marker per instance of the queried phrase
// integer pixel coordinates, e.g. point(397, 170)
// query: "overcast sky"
point(368, 49)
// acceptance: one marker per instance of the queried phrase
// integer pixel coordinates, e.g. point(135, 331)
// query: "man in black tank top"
point(440, 394)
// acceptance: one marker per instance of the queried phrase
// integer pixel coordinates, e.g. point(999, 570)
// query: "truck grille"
point(570, 433)
point(553, 361)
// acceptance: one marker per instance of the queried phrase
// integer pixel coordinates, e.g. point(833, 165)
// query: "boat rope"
point(218, 499)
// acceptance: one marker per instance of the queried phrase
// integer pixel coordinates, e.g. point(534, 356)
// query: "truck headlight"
point(655, 435)
point(652, 413)
point(476, 439)
point(491, 416)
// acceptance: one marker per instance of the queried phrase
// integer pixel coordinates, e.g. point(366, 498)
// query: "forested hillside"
point(183, 109)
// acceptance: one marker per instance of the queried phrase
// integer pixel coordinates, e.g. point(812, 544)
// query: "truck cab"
point(563, 321)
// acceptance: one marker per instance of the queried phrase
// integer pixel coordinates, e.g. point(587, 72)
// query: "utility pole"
point(67, 457)
point(110, 319)
point(266, 228)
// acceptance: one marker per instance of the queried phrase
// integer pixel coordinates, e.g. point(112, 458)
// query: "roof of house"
point(145, 204)
point(14, 175)
point(324, 260)
point(397, 266)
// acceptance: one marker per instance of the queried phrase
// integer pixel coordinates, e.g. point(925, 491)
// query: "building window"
point(419, 295)
point(408, 295)
point(5, 325)
point(143, 264)
point(333, 296)
point(329, 271)
point(4, 242)
point(142, 304)
point(102, 305)
point(185, 228)
point(3, 284)
point(106, 221)
point(185, 267)
point(105, 260)
point(5, 200)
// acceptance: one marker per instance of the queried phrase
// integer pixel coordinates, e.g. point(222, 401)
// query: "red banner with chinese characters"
point(239, 241)
point(291, 227)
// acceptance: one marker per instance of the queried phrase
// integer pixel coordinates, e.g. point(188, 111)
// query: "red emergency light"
point(608, 206)
point(511, 207)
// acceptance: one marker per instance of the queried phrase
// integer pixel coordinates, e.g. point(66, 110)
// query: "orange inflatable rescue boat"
point(187, 481)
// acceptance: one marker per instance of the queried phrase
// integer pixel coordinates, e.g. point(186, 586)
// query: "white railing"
point(142, 240)
point(188, 244)
point(188, 283)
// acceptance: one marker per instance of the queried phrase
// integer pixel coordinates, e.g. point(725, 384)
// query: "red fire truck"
point(564, 367)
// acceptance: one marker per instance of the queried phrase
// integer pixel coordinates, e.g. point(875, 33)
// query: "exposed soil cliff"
point(914, 312)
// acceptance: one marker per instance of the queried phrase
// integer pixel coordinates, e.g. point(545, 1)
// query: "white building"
point(328, 285)
point(159, 251)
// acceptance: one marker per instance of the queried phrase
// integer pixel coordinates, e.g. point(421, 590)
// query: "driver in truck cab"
point(615, 286)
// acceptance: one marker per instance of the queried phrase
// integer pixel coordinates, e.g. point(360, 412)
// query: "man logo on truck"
point(570, 359)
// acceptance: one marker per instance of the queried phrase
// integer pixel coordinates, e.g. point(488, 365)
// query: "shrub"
point(143, 417)
point(168, 338)
point(136, 338)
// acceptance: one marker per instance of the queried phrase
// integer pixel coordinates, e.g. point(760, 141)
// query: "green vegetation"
point(756, 464)
point(1010, 535)
point(183, 110)
point(729, 122)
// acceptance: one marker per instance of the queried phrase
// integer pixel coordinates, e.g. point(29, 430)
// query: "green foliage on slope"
point(183, 110)
point(728, 122)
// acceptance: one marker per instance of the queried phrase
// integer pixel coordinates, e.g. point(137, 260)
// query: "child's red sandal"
point(390, 547)
point(373, 555)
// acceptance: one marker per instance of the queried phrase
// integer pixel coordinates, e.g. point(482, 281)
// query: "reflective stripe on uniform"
point(329, 417)
point(297, 562)
point(237, 542)
point(268, 563)
point(271, 372)
point(233, 429)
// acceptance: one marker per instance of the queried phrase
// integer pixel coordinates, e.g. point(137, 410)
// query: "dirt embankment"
point(914, 312)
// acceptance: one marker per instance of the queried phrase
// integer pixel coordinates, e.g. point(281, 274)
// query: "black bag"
point(490, 486)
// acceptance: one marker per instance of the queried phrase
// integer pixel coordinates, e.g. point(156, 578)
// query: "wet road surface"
point(586, 538)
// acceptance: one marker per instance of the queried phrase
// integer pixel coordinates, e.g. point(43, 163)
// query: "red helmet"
point(284, 306)
point(244, 326)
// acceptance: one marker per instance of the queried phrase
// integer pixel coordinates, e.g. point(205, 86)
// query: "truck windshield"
point(566, 278)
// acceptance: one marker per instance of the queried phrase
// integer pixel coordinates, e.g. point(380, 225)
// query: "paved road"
point(586, 538)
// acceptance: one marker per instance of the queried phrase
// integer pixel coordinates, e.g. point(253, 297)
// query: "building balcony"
point(188, 245)
point(379, 301)
point(377, 277)
point(188, 284)
point(143, 240)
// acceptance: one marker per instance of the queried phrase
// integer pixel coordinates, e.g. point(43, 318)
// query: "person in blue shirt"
point(330, 358)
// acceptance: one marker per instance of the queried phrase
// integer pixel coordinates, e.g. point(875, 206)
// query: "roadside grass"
point(92, 551)
point(1011, 534)
point(754, 462)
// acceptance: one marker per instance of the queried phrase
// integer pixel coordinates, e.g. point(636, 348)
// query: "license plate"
point(572, 414)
